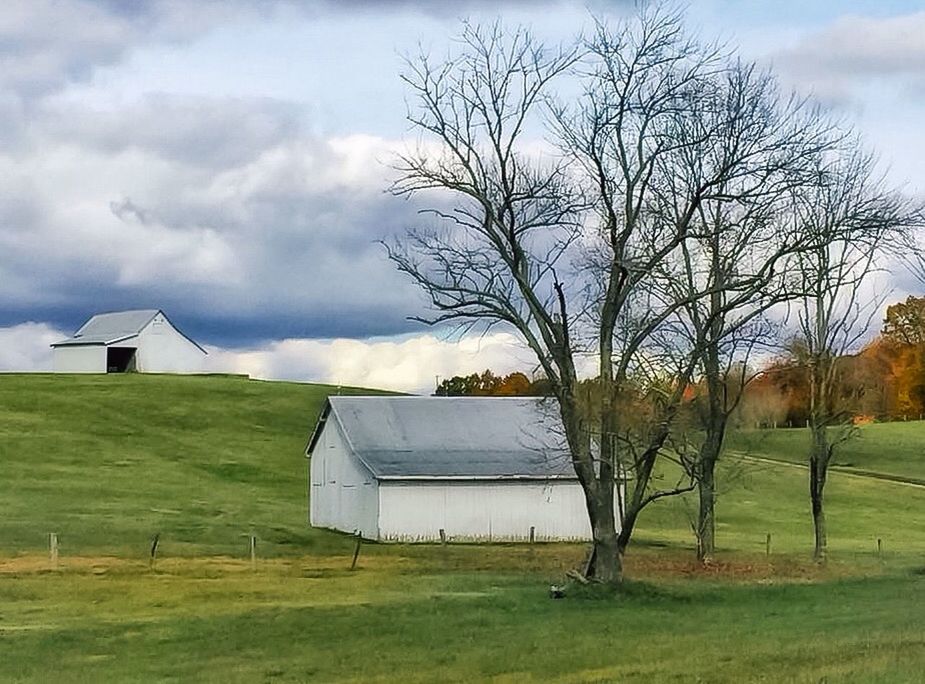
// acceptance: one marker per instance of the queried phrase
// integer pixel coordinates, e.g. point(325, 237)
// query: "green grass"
point(895, 449)
point(757, 498)
point(108, 461)
point(289, 623)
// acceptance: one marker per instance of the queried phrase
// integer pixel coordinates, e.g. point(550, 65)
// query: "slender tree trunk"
point(606, 561)
point(706, 486)
point(635, 501)
point(818, 464)
point(626, 531)
point(715, 419)
point(706, 520)
point(715, 428)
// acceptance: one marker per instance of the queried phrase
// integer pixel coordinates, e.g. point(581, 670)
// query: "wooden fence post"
point(356, 549)
point(767, 545)
point(53, 549)
point(154, 543)
point(253, 545)
point(879, 548)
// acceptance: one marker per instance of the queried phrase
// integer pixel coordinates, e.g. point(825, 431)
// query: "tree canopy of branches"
point(644, 232)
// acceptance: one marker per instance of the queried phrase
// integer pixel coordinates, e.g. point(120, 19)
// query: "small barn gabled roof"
point(117, 326)
point(481, 438)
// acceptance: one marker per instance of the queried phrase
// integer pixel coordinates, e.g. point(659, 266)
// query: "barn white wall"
point(162, 349)
point(79, 359)
point(343, 493)
point(482, 511)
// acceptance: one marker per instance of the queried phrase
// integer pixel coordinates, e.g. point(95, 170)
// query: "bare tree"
point(579, 250)
point(689, 154)
point(741, 255)
point(855, 219)
point(724, 374)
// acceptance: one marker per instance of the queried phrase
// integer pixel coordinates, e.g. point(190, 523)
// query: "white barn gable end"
point(144, 341)
point(478, 468)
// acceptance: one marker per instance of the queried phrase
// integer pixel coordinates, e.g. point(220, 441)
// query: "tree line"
point(487, 384)
point(656, 221)
point(884, 380)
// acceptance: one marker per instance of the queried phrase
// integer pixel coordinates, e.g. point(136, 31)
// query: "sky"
point(227, 161)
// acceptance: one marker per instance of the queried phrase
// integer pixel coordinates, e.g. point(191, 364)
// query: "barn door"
point(120, 359)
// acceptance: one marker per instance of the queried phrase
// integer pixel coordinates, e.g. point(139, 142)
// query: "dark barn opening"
point(120, 359)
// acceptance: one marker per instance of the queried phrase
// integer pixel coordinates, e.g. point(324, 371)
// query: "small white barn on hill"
point(478, 468)
point(143, 341)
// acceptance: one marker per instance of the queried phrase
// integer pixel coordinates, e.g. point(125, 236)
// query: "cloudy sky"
point(225, 160)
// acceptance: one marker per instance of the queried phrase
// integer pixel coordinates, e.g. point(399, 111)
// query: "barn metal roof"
point(117, 326)
point(453, 437)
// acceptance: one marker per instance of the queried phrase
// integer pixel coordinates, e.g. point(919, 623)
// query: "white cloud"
point(25, 347)
point(854, 51)
point(407, 364)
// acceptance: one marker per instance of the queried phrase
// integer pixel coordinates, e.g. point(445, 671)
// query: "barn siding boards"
point(81, 359)
point(481, 469)
point(483, 511)
point(343, 493)
point(162, 348)
point(159, 347)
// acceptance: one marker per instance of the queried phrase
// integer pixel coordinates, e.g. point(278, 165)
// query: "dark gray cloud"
point(186, 129)
point(47, 44)
point(227, 212)
point(231, 213)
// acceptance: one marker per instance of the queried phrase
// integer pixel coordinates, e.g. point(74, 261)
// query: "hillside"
point(108, 461)
point(895, 449)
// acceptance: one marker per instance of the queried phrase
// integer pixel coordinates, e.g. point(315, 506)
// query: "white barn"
point(478, 468)
point(143, 341)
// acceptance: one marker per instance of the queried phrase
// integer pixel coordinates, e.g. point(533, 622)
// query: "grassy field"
point(757, 498)
point(302, 621)
point(108, 461)
point(896, 449)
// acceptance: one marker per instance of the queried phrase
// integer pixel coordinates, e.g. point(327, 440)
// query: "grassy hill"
point(108, 461)
point(895, 449)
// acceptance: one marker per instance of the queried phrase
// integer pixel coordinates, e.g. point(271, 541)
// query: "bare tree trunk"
point(606, 561)
point(715, 428)
point(626, 531)
point(706, 485)
point(706, 519)
point(604, 564)
point(818, 463)
point(638, 498)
